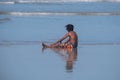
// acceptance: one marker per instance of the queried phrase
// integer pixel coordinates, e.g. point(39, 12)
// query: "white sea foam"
point(61, 13)
point(9, 2)
point(28, 1)
point(52, 1)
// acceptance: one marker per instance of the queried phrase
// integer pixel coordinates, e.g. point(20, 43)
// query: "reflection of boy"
point(72, 56)
point(72, 42)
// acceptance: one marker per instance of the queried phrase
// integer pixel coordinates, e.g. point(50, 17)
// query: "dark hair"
point(69, 27)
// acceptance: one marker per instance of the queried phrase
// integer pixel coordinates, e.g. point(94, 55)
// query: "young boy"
point(72, 41)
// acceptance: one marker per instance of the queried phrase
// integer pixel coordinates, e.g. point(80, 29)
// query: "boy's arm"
point(64, 37)
point(67, 41)
point(60, 40)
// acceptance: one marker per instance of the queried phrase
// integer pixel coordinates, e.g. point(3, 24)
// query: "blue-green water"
point(23, 26)
point(90, 29)
point(27, 62)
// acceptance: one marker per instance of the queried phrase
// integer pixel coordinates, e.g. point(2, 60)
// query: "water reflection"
point(69, 55)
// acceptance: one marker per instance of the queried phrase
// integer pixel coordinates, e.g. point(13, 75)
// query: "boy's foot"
point(43, 45)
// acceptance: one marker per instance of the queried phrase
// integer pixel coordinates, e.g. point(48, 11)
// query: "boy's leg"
point(59, 45)
point(53, 45)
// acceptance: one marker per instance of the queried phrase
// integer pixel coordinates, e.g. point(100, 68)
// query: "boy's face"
point(66, 29)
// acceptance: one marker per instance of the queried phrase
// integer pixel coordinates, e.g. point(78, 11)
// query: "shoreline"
point(40, 42)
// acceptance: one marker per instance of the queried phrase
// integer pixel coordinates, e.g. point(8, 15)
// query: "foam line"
point(61, 13)
point(52, 1)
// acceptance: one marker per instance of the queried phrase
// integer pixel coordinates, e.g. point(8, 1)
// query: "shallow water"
point(21, 34)
point(89, 62)
point(90, 29)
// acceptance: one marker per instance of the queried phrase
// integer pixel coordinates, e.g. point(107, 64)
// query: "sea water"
point(25, 24)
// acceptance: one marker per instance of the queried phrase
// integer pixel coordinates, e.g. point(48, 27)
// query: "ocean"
point(25, 24)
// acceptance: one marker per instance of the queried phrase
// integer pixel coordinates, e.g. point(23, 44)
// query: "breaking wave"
point(51, 1)
point(61, 13)
point(45, 10)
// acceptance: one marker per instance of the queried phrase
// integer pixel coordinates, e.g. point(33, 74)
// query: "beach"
point(27, 61)
point(22, 31)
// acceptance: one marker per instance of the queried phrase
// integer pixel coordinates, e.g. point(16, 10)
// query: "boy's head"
point(69, 27)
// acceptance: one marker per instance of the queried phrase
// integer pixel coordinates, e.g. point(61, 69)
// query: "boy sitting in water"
point(72, 42)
